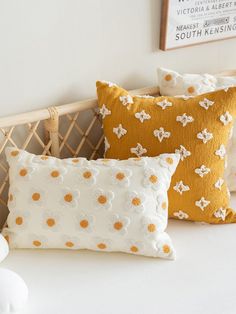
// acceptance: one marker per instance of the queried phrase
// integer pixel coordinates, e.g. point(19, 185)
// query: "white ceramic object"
point(13, 292)
point(4, 248)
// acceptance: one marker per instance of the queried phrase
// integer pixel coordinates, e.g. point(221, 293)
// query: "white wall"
point(53, 51)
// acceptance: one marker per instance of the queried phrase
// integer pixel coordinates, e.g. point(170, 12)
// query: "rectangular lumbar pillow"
point(105, 205)
point(172, 83)
point(197, 128)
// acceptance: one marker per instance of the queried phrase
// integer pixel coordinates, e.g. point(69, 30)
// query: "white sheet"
point(202, 280)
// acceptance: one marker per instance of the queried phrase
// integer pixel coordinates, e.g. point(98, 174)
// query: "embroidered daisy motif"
point(102, 244)
point(120, 176)
point(104, 111)
point(164, 104)
point(166, 161)
point(12, 197)
point(164, 249)
point(70, 242)
point(43, 159)
point(161, 134)
point(205, 136)
point(135, 202)
point(221, 152)
point(139, 150)
point(125, 100)
point(104, 162)
point(184, 153)
point(88, 175)
point(202, 171)
point(192, 89)
point(206, 103)
point(202, 203)
point(226, 118)
point(180, 187)
point(119, 224)
point(151, 226)
point(85, 222)
point(184, 119)
point(169, 79)
point(76, 161)
point(151, 179)
point(219, 183)
point(220, 213)
point(24, 172)
point(70, 197)
point(19, 218)
point(134, 247)
point(106, 144)
point(119, 131)
point(37, 196)
point(38, 241)
point(137, 161)
point(103, 199)
point(181, 215)
point(50, 221)
point(56, 174)
point(142, 116)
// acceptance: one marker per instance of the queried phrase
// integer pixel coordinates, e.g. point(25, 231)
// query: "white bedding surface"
point(202, 280)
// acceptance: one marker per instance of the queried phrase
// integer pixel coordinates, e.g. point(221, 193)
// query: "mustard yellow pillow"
point(198, 128)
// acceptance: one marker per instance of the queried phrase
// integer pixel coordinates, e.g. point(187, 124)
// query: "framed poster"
point(191, 22)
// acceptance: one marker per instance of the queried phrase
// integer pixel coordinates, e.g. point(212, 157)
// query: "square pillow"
point(197, 128)
point(104, 205)
point(172, 83)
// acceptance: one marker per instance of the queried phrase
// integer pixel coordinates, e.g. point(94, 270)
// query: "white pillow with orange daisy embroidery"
point(104, 205)
point(172, 83)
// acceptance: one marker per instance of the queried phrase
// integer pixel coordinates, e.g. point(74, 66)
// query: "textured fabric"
point(198, 128)
point(172, 83)
point(105, 205)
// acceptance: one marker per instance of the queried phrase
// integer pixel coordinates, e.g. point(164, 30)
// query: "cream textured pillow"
point(172, 83)
point(104, 205)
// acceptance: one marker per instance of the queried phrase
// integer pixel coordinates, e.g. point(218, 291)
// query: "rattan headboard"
point(69, 130)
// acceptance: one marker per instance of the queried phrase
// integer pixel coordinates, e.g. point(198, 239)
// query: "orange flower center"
point(51, 222)
point(102, 199)
point(191, 89)
point(55, 174)
point(166, 249)
point(84, 223)
point(35, 196)
point(19, 221)
point(168, 77)
point(37, 243)
point(23, 172)
point(68, 197)
point(44, 157)
point(69, 244)
point(75, 161)
point(153, 179)
point(120, 176)
point(102, 246)
point(134, 249)
point(118, 225)
point(151, 228)
point(14, 153)
point(169, 160)
point(136, 201)
point(87, 174)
